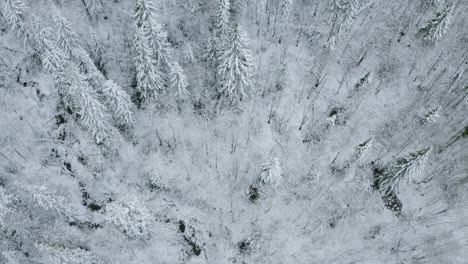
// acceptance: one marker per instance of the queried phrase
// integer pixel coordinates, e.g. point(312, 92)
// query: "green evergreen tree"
point(404, 170)
point(438, 26)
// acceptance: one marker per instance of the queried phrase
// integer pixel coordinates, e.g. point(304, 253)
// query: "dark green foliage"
point(196, 250)
point(465, 132)
point(377, 174)
point(60, 119)
point(253, 193)
point(390, 199)
point(333, 112)
point(181, 226)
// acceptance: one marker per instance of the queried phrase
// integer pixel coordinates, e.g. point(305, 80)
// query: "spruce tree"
point(178, 80)
point(363, 147)
point(211, 51)
point(438, 26)
point(96, 51)
point(13, 11)
point(342, 13)
point(271, 172)
point(154, 58)
point(222, 16)
point(152, 32)
point(119, 102)
point(149, 78)
point(67, 39)
point(403, 170)
point(76, 92)
point(130, 216)
point(59, 253)
point(236, 67)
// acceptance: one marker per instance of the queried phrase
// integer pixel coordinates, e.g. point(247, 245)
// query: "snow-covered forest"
point(233, 131)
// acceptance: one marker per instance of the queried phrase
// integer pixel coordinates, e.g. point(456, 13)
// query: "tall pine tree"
point(438, 26)
point(154, 60)
point(236, 67)
point(404, 169)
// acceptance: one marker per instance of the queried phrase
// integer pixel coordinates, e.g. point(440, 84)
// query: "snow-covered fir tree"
point(5, 201)
point(154, 58)
point(96, 50)
point(363, 147)
point(77, 93)
point(13, 11)
point(57, 253)
point(67, 39)
point(431, 116)
point(342, 13)
point(211, 51)
point(42, 196)
point(149, 78)
point(223, 16)
point(130, 217)
point(437, 27)
point(404, 170)
point(177, 80)
point(120, 104)
point(236, 67)
point(271, 172)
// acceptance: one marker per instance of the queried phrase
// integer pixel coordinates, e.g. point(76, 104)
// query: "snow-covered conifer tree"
point(222, 16)
point(13, 11)
point(438, 26)
point(210, 54)
point(236, 67)
point(430, 116)
point(177, 80)
point(342, 14)
point(93, 113)
point(119, 102)
point(130, 217)
point(77, 92)
point(67, 39)
point(57, 253)
point(154, 59)
point(47, 199)
point(5, 200)
point(271, 172)
point(96, 51)
point(404, 170)
point(150, 80)
point(189, 56)
point(363, 147)
point(151, 32)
